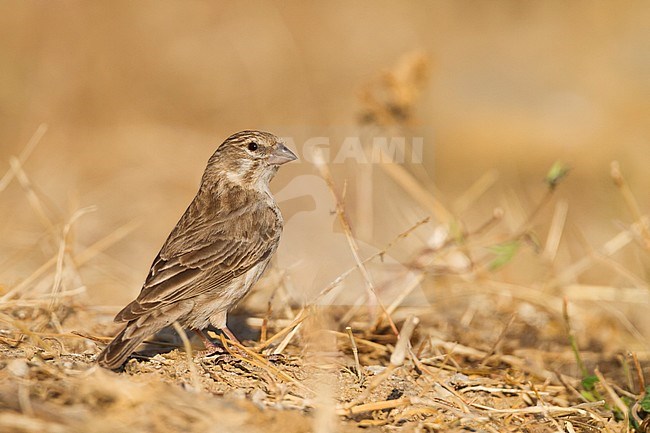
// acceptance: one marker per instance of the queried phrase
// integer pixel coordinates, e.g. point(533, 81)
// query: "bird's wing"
point(204, 252)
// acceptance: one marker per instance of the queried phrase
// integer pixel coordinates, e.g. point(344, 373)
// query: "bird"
point(219, 248)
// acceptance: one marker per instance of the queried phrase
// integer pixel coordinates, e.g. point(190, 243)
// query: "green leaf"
point(504, 253)
point(588, 396)
point(556, 173)
point(589, 383)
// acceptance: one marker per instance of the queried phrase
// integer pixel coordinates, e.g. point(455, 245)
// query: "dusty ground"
point(523, 295)
point(498, 331)
point(486, 356)
point(49, 383)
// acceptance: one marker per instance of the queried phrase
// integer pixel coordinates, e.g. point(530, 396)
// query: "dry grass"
point(485, 355)
point(515, 319)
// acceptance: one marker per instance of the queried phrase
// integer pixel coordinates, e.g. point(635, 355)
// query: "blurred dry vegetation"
point(522, 288)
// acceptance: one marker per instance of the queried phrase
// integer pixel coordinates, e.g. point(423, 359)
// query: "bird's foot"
point(212, 351)
point(279, 358)
point(217, 351)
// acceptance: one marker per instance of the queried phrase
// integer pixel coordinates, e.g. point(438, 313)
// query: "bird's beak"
point(281, 155)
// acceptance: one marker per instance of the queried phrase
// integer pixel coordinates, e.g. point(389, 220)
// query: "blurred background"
point(137, 95)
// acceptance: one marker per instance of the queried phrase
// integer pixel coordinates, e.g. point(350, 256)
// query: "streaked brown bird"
point(217, 251)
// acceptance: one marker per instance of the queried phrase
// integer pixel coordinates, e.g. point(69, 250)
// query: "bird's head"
point(249, 159)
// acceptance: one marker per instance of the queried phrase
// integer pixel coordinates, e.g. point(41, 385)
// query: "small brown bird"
point(217, 251)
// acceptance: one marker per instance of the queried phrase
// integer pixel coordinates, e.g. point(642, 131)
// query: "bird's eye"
point(252, 146)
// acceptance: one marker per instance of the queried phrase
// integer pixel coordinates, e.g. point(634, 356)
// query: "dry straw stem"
point(475, 191)
point(301, 317)
point(32, 197)
point(265, 320)
point(364, 198)
point(430, 406)
point(553, 304)
point(495, 390)
point(590, 292)
point(543, 403)
point(24, 329)
point(622, 407)
point(581, 409)
point(355, 353)
point(80, 259)
point(513, 361)
point(426, 256)
point(196, 382)
point(620, 269)
point(548, 411)
point(415, 189)
point(498, 341)
point(287, 339)
point(415, 283)
point(380, 253)
point(639, 372)
point(61, 254)
point(636, 407)
point(340, 211)
point(401, 88)
point(609, 248)
point(371, 344)
point(38, 300)
point(396, 360)
point(26, 152)
point(406, 291)
point(96, 339)
point(541, 298)
point(555, 232)
point(404, 341)
point(258, 361)
point(369, 407)
point(630, 201)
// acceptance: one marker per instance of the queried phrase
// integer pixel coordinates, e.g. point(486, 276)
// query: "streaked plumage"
point(219, 248)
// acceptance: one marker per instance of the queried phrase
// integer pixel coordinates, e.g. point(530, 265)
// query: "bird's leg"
point(210, 347)
point(230, 335)
point(237, 347)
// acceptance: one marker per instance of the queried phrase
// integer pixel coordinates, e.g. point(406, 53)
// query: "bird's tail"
point(118, 350)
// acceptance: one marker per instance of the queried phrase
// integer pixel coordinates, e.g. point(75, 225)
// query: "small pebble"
point(375, 369)
point(18, 367)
